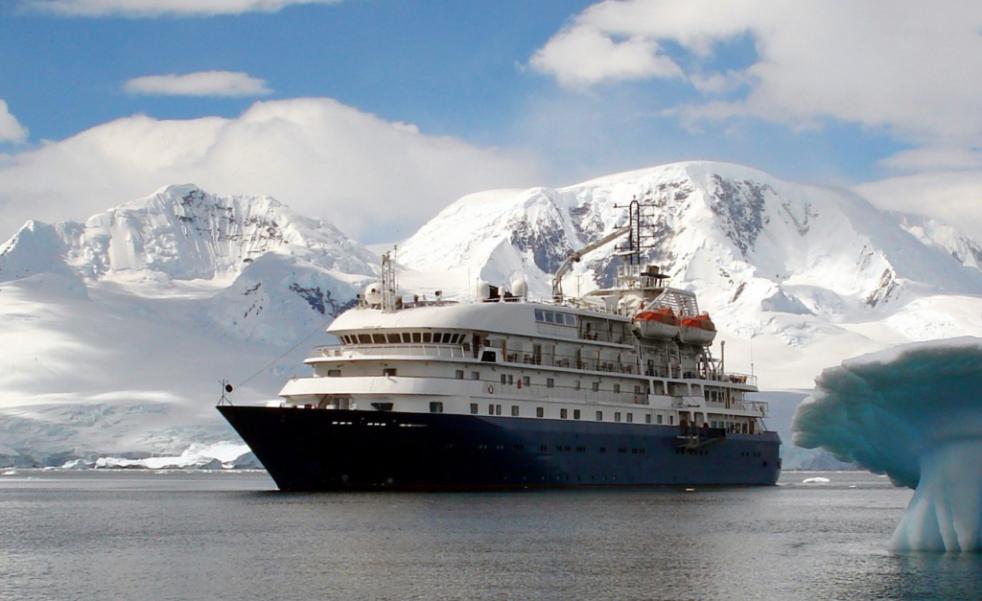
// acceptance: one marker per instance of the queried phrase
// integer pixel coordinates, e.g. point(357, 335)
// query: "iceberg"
point(914, 413)
point(216, 456)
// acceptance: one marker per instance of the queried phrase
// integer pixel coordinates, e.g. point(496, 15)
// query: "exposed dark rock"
point(739, 206)
point(322, 301)
point(548, 243)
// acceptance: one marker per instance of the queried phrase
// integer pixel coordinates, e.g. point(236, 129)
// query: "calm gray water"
point(145, 536)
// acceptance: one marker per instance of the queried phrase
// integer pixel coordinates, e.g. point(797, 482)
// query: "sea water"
point(160, 536)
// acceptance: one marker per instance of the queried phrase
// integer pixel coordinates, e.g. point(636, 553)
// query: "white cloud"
point(155, 8)
point(319, 156)
point(954, 197)
point(908, 66)
point(934, 157)
point(583, 55)
point(10, 129)
point(202, 83)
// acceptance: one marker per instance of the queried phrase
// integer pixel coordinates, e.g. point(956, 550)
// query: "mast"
point(389, 285)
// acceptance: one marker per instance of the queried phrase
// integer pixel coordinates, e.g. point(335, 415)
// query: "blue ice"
point(913, 412)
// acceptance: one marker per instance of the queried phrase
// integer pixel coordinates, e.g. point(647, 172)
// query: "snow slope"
point(793, 274)
point(122, 327)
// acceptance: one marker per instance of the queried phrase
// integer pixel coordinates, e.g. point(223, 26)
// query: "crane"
point(575, 256)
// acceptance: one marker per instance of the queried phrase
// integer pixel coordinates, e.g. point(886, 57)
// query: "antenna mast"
point(390, 289)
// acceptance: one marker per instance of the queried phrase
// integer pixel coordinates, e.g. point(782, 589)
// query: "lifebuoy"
point(490, 388)
point(519, 383)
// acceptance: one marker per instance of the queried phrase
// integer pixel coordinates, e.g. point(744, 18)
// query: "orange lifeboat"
point(659, 323)
point(697, 329)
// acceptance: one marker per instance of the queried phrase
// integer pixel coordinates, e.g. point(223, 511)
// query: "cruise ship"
point(618, 387)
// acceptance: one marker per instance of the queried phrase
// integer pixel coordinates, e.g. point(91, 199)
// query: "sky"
point(375, 114)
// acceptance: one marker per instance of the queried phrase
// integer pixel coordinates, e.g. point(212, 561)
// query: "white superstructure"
point(590, 359)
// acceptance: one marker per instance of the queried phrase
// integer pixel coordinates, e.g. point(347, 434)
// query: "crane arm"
point(575, 256)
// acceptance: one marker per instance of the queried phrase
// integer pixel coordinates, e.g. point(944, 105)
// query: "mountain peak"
point(739, 236)
point(184, 232)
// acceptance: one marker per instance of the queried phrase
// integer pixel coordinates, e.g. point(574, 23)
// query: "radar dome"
point(519, 286)
point(482, 290)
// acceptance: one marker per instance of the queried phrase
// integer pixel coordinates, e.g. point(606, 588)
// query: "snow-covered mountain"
point(793, 274)
point(120, 328)
point(268, 261)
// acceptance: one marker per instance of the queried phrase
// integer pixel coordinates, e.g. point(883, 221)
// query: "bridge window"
point(504, 379)
point(563, 414)
point(334, 373)
point(474, 408)
point(436, 407)
point(600, 416)
point(388, 371)
point(514, 410)
point(459, 374)
point(556, 317)
point(539, 412)
point(617, 387)
point(427, 337)
point(364, 339)
point(630, 418)
point(596, 386)
point(475, 375)
point(576, 414)
point(617, 416)
point(417, 337)
point(526, 381)
point(647, 418)
point(550, 383)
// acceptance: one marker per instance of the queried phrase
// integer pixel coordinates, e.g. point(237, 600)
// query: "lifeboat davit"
point(660, 323)
point(697, 329)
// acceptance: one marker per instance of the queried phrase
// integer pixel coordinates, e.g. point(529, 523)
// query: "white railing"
point(438, 351)
point(727, 378)
point(758, 407)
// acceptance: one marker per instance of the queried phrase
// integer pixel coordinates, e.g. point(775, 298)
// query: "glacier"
point(914, 413)
point(123, 324)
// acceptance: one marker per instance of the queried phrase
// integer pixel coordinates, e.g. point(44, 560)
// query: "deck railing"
point(452, 351)
point(438, 351)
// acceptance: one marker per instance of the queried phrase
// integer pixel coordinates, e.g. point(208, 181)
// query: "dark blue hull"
point(320, 449)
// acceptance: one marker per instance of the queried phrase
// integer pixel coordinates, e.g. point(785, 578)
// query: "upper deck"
point(529, 319)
